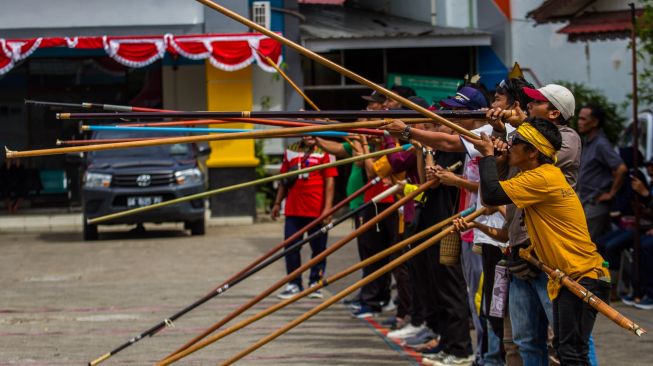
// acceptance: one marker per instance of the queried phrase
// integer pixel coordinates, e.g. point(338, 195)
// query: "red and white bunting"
point(227, 52)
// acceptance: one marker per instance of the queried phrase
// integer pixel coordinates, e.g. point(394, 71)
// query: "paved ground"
point(66, 302)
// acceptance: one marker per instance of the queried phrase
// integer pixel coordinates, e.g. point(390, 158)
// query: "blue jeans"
point(493, 355)
point(472, 271)
point(530, 314)
point(318, 245)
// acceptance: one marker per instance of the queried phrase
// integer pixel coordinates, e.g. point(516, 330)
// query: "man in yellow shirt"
point(556, 225)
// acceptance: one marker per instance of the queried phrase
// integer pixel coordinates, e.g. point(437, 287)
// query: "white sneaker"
point(408, 331)
point(431, 358)
point(389, 307)
point(449, 360)
point(290, 291)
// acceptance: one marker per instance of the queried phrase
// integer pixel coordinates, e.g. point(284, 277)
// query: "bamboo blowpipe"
point(116, 215)
point(263, 121)
point(189, 139)
point(369, 278)
point(271, 122)
point(587, 296)
point(241, 275)
point(101, 141)
point(394, 113)
point(325, 282)
point(328, 251)
point(197, 130)
point(339, 69)
point(85, 105)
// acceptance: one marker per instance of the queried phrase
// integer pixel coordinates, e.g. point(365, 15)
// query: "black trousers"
point(424, 279)
point(573, 320)
point(404, 285)
point(442, 293)
point(371, 242)
point(451, 294)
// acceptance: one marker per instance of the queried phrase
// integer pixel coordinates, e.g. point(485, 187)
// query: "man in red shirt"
point(307, 197)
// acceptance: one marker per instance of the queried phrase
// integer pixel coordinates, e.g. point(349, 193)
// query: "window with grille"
point(261, 13)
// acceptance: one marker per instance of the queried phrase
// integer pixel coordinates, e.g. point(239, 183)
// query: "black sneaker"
point(365, 312)
point(317, 294)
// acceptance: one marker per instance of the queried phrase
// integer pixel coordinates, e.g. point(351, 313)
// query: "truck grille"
point(156, 179)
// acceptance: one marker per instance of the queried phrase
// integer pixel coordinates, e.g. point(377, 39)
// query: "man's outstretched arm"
point(436, 140)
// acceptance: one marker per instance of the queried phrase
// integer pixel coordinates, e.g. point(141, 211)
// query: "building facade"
point(67, 51)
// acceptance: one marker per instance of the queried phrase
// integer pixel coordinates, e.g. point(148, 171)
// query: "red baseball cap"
point(558, 95)
point(535, 94)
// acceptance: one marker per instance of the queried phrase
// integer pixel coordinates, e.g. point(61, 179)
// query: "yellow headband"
point(535, 138)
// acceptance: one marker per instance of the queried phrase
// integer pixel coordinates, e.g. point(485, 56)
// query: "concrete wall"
point(98, 13)
point(268, 95)
point(215, 22)
point(184, 87)
point(452, 13)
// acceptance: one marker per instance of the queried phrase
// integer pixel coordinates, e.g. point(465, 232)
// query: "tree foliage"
point(614, 121)
point(645, 53)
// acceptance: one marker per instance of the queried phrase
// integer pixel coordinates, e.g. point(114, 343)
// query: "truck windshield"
point(177, 151)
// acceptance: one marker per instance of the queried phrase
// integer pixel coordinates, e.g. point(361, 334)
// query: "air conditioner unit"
point(261, 13)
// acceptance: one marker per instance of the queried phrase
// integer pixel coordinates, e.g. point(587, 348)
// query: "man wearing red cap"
point(556, 104)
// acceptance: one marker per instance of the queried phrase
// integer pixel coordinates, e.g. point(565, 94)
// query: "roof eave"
point(329, 44)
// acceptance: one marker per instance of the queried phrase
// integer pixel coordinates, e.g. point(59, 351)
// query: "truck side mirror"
point(203, 149)
point(75, 158)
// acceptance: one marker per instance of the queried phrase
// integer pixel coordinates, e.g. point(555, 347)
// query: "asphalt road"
point(66, 302)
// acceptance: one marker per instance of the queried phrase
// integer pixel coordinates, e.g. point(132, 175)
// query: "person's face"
point(500, 101)
point(586, 122)
point(309, 141)
point(519, 152)
point(374, 106)
point(391, 104)
point(540, 109)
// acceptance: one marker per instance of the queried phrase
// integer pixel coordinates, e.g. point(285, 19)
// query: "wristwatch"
point(406, 133)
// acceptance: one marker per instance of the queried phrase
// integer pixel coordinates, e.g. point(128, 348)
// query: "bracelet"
point(277, 204)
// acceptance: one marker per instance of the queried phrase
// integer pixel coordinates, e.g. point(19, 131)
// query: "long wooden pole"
point(178, 130)
point(243, 273)
point(234, 187)
point(100, 141)
point(189, 139)
point(587, 296)
point(339, 69)
point(635, 137)
point(329, 250)
point(267, 122)
point(280, 305)
point(334, 299)
point(85, 105)
point(346, 114)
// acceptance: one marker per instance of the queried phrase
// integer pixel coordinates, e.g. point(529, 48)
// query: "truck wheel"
point(90, 231)
point(197, 227)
